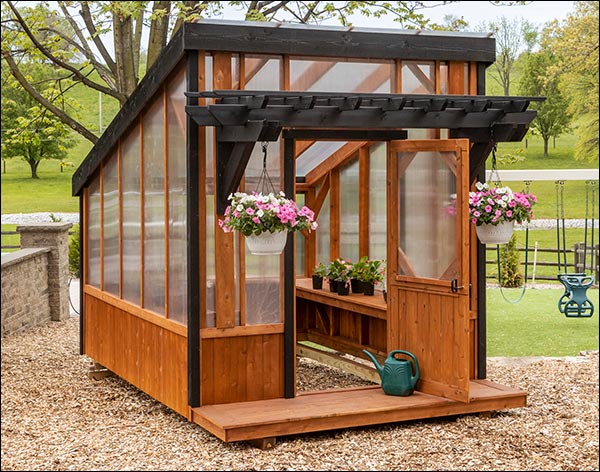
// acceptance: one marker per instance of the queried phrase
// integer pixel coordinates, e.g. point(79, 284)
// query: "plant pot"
point(495, 234)
point(356, 285)
point(266, 244)
point(333, 285)
point(317, 282)
point(343, 287)
point(369, 288)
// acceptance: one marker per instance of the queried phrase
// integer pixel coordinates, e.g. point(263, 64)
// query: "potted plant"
point(358, 268)
point(373, 274)
point(339, 276)
point(265, 220)
point(319, 273)
point(495, 210)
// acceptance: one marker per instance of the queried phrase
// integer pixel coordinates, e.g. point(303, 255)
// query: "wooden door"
point(428, 254)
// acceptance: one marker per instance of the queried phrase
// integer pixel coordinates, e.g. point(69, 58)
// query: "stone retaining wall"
point(35, 280)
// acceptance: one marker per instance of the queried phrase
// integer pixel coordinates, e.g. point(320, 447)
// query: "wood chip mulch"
point(54, 417)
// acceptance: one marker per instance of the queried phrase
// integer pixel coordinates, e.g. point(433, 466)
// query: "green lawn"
point(535, 327)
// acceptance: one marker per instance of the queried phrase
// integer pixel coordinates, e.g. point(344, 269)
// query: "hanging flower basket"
point(495, 234)
point(266, 244)
point(495, 210)
point(265, 220)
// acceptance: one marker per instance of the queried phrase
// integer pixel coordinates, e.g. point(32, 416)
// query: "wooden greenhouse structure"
point(382, 133)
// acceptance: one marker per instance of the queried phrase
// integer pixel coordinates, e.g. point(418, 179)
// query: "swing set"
point(574, 302)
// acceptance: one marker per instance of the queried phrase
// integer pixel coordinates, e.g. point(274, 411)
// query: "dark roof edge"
point(268, 38)
point(148, 86)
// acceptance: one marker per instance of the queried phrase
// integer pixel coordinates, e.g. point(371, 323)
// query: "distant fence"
point(575, 260)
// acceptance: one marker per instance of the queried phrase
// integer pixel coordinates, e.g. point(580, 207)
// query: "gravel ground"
point(56, 418)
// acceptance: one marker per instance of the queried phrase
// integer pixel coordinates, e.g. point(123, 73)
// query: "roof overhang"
point(244, 117)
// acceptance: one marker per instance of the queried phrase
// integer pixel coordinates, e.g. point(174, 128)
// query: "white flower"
point(240, 207)
point(481, 186)
point(260, 213)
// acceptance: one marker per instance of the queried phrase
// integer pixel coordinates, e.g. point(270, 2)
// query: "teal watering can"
point(396, 375)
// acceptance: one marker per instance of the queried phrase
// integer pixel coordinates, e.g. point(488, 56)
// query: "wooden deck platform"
point(337, 409)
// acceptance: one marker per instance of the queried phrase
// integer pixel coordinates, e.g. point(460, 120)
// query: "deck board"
point(336, 409)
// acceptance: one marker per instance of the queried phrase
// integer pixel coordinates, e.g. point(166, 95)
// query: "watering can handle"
point(410, 354)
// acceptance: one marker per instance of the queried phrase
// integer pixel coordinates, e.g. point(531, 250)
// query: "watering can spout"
point(378, 366)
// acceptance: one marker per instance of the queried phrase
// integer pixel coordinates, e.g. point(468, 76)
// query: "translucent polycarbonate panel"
point(377, 202)
point(270, 181)
point(323, 246)
point(349, 191)
point(177, 201)
point(315, 155)
point(110, 189)
point(263, 284)
point(418, 77)
point(443, 78)
point(333, 76)
point(93, 233)
point(154, 207)
point(262, 72)
point(131, 230)
point(427, 215)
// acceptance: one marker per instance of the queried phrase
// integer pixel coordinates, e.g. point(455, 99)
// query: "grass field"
point(535, 327)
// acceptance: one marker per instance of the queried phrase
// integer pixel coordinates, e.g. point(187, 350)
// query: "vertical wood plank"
point(456, 77)
point(102, 225)
point(363, 201)
point(85, 232)
point(224, 258)
point(472, 78)
point(334, 214)
point(202, 211)
point(166, 198)
point(142, 213)
point(120, 222)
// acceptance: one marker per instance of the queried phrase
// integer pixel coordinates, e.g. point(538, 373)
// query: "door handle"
point(454, 286)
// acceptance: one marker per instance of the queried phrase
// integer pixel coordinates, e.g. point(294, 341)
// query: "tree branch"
point(89, 23)
point(57, 61)
point(62, 116)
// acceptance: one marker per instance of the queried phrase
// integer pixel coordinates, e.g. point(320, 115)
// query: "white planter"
point(495, 234)
point(266, 244)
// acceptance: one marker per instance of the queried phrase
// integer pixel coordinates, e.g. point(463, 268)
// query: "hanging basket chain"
point(264, 184)
point(494, 170)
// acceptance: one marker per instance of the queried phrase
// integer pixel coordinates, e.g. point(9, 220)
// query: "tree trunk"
point(34, 165)
point(123, 35)
point(157, 39)
point(546, 146)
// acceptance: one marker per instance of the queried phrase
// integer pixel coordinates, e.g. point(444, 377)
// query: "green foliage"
point(552, 118)
point(74, 251)
point(575, 42)
point(320, 270)
point(510, 265)
point(339, 270)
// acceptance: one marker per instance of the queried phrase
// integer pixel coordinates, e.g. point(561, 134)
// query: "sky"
point(475, 13)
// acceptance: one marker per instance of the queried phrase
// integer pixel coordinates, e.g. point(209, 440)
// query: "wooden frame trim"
point(336, 159)
point(363, 201)
point(142, 212)
point(120, 213)
point(166, 199)
point(334, 214)
point(134, 310)
point(238, 331)
point(82, 264)
point(102, 225)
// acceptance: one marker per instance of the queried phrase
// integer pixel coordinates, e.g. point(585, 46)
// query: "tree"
point(575, 44)
point(552, 117)
point(511, 37)
point(72, 36)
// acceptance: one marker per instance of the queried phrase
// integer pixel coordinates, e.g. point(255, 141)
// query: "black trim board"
point(386, 44)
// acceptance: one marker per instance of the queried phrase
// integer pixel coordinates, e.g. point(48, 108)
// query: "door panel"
point(428, 270)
